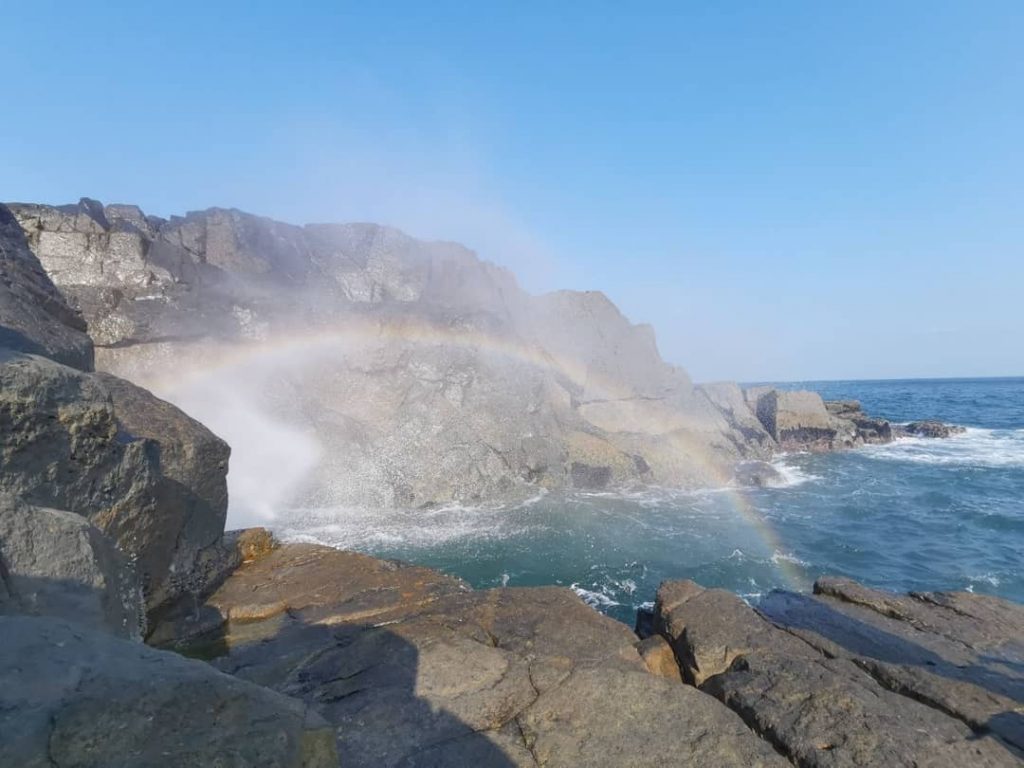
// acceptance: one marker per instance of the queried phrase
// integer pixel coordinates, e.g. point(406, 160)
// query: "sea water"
point(917, 514)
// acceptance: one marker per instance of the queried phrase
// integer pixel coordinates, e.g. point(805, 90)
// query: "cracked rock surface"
point(413, 668)
point(853, 676)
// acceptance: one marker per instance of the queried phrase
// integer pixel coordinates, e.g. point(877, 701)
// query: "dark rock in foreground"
point(140, 470)
point(73, 697)
point(851, 676)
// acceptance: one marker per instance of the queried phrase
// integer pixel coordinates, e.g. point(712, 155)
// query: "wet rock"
point(414, 668)
point(820, 706)
point(930, 429)
point(757, 474)
point(74, 697)
point(144, 473)
point(869, 430)
point(54, 563)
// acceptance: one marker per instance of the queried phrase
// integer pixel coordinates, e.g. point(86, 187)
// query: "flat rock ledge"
point(413, 668)
point(854, 676)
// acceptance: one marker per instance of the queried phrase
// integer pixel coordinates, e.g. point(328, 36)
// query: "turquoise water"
point(916, 514)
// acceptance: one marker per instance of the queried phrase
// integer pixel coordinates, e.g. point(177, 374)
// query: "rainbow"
point(166, 375)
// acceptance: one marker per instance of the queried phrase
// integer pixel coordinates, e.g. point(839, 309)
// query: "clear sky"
point(786, 190)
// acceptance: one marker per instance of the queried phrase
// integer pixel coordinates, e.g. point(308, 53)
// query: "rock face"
point(33, 315)
point(54, 563)
point(414, 669)
point(424, 374)
point(851, 676)
point(141, 471)
point(75, 697)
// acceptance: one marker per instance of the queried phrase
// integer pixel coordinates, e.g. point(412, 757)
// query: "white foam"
point(371, 529)
point(594, 598)
point(988, 578)
point(792, 475)
point(974, 448)
point(786, 557)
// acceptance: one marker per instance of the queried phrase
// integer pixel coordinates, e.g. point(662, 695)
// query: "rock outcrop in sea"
point(425, 374)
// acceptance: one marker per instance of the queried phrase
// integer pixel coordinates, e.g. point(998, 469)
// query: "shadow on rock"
point(366, 680)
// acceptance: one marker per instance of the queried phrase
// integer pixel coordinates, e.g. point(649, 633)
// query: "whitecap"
point(593, 598)
point(787, 557)
point(977, 447)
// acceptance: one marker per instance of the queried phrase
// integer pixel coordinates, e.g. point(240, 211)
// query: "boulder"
point(140, 470)
point(869, 430)
point(818, 704)
point(757, 474)
point(55, 563)
point(796, 420)
point(415, 669)
point(34, 317)
point(75, 697)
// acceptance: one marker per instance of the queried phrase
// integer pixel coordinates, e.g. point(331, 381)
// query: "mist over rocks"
point(423, 374)
point(357, 366)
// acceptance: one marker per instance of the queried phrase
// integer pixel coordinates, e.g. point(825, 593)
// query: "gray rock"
point(415, 669)
point(33, 315)
point(74, 697)
point(148, 476)
point(796, 420)
point(960, 653)
point(55, 563)
point(818, 706)
point(758, 474)
point(454, 385)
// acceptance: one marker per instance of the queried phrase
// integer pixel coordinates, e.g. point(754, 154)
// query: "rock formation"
point(139, 469)
point(426, 374)
point(853, 676)
point(108, 496)
point(415, 669)
point(75, 697)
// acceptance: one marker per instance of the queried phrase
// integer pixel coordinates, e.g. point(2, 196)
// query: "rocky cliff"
point(416, 373)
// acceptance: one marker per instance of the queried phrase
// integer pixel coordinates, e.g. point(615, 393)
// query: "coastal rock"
point(34, 317)
point(934, 429)
point(869, 430)
point(145, 474)
point(957, 652)
point(797, 420)
point(758, 474)
point(443, 381)
point(74, 697)
point(413, 668)
point(819, 704)
point(54, 563)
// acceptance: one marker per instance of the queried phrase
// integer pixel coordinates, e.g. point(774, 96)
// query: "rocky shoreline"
point(138, 633)
point(444, 381)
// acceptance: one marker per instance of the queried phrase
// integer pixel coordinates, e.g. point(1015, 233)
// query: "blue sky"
point(786, 190)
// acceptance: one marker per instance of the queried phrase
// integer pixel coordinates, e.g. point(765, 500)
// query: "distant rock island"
point(427, 375)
